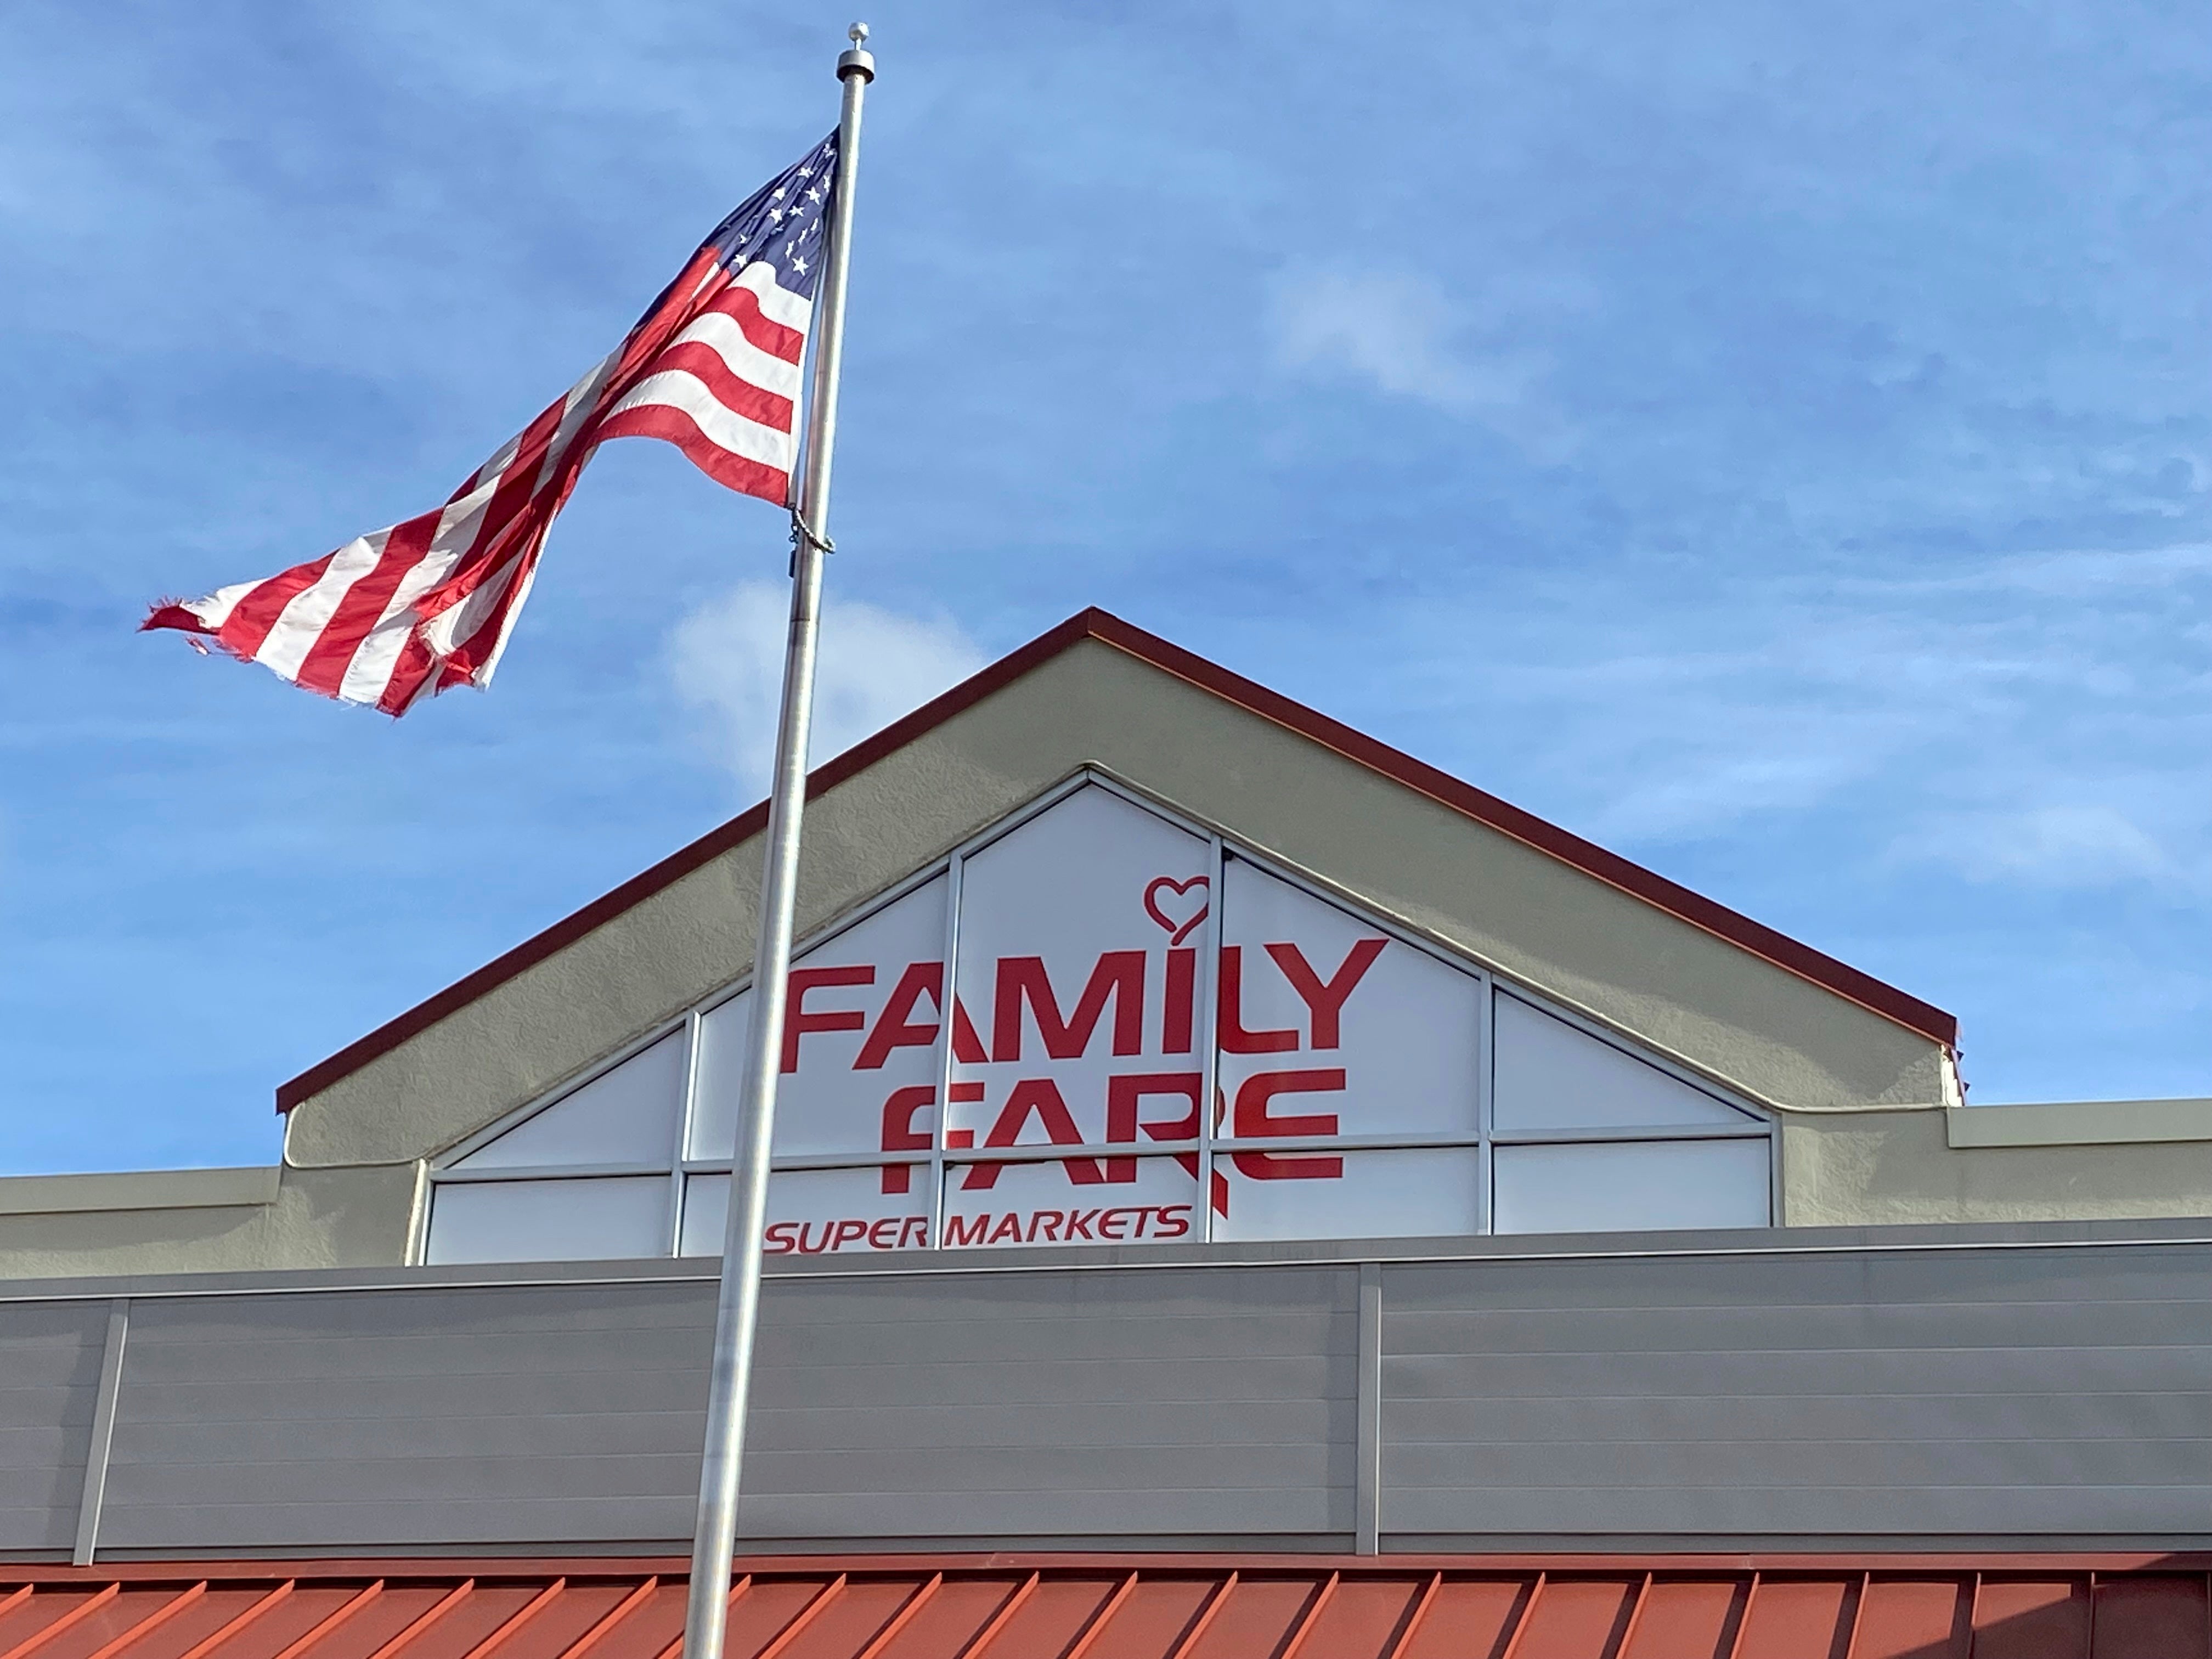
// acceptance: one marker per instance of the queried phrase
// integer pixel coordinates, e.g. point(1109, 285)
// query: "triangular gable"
point(1111, 969)
point(1699, 986)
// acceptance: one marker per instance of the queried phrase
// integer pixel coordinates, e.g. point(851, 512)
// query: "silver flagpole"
point(730, 1381)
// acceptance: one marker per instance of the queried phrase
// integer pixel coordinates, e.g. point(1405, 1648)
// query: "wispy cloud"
point(2039, 721)
point(727, 660)
point(2083, 845)
point(1400, 333)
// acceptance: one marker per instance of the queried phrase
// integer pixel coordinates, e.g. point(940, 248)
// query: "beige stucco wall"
point(2079, 1160)
point(204, 1221)
point(1744, 1021)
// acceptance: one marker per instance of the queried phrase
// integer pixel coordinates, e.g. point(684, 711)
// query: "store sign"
point(1088, 941)
point(1048, 1042)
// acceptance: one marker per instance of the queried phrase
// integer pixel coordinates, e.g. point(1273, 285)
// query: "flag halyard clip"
point(803, 532)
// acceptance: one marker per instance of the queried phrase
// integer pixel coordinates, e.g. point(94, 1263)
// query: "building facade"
point(1216, 1151)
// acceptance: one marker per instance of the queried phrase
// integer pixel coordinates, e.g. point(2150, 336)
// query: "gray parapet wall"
point(1918, 1388)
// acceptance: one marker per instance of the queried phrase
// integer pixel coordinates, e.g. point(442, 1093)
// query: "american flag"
point(712, 368)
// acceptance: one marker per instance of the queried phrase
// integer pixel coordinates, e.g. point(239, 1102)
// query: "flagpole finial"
point(858, 60)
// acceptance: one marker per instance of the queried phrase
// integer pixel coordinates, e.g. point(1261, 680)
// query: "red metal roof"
point(1129, 1607)
point(1109, 629)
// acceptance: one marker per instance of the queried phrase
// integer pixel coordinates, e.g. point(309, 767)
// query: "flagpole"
point(737, 1310)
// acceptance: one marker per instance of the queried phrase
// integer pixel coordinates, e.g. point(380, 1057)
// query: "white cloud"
point(727, 660)
point(1400, 332)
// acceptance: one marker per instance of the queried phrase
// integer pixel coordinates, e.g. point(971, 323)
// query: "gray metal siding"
point(995, 1405)
point(1076, 1404)
point(1981, 1393)
point(429, 1417)
point(49, 1377)
point(1716, 1393)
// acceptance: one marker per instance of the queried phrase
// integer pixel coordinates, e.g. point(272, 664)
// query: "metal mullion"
point(877, 1160)
point(955, 871)
point(1486, 1110)
point(1336, 1143)
point(1630, 1133)
point(544, 1172)
point(692, 1035)
point(1210, 1037)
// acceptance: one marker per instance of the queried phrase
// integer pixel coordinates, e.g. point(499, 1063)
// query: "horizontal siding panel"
point(1781, 1513)
point(344, 1523)
point(1136, 1515)
point(1902, 1465)
point(946, 1427)
point(2055, 1418)
point(1041, 1469)
point(1966, 1326)
point(1899, 1374)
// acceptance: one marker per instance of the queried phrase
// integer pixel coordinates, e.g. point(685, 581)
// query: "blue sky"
point(1773, 440)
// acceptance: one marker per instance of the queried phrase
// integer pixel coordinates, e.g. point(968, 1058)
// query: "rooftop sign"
point(1152, 1037)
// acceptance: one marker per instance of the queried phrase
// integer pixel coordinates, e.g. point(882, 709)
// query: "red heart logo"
point(1171, 917)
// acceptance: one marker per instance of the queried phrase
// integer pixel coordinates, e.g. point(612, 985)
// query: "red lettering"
point(1120, 975)
point(1235, 1039)
point(1252, 1120)
point(876, 1239)
point(916, 1228)
point(1145, 1216)
point(1110, 1224)
point(1009, 1228)
point(798, 1022)
point(900, 1136)
point(1040, 1095)
point(1179, 1013)
point(1175, 1220)
point(805, 1232)
point(960, 1229)
point(895, 1027)
point(1326, 998)
point(1078, 1223)
point(1048, 1221)
point(847, 1232)
point(776, 1241)
point(1122, 1095)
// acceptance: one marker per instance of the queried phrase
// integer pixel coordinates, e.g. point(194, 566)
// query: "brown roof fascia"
point(1592, 859)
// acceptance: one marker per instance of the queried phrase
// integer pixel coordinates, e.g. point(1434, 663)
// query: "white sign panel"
point(1101, 987)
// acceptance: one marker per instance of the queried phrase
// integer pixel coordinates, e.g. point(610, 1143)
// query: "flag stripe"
point(330, 653)
point(257, 613)
point(680, 389)
point(748, 477)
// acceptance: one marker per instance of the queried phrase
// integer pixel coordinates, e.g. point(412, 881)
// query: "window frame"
point(680, 1166)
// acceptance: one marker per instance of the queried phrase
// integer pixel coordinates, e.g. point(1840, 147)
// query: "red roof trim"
point(1803, 960)
point(1135, 1607)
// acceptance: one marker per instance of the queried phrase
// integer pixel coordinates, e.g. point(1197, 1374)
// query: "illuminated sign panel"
point(1145, 1036)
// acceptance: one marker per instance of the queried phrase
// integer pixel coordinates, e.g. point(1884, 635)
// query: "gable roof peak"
point(1094, 624)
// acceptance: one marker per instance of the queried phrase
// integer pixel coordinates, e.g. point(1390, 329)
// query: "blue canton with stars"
point(781, 224)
